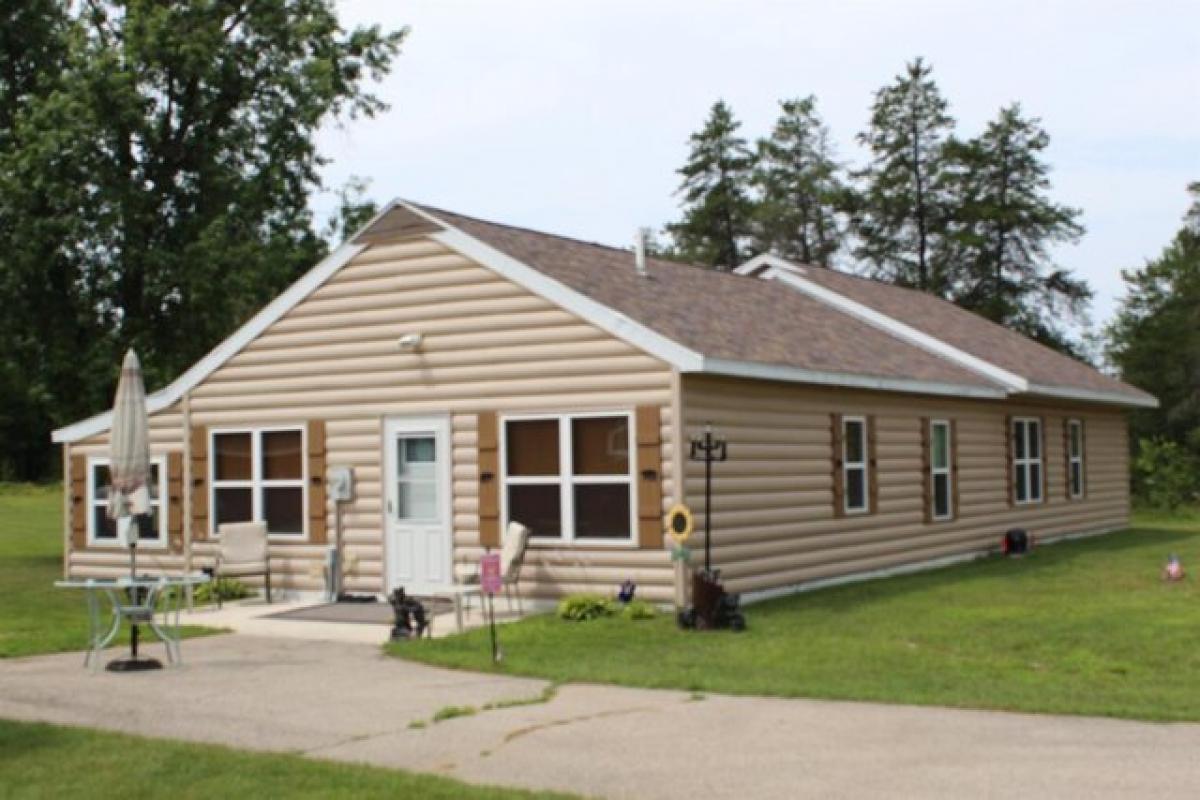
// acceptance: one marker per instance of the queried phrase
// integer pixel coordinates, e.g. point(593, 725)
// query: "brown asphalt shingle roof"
point(742, 318)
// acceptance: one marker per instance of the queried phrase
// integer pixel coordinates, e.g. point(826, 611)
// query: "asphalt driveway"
point(349, 702)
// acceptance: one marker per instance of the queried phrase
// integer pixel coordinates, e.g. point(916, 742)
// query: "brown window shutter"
point(954, 468)
point(1066, 437)
point(926, 466)
point(1008, 459)
point(199, 458)
point(79, 502)
point(175, 501)
point(317, 517)
point(649, 477)
point(872, 465)
point(1045, 461)
point(489, 478)
point(835, 430)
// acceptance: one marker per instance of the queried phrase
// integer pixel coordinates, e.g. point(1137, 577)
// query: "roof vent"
point(639, 251)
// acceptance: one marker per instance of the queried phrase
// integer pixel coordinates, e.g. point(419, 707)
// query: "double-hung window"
point(1075, 487)
point(940, 470)
point(855, 475)
point(100, 529)
point(569, 477)
point(1027, 460)
point(258, 474)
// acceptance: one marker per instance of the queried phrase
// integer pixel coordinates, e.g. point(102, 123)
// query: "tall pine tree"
point(800, 188)
point(717, 207)
point(1155, 338)
point(1004, 225)
point(901, 213)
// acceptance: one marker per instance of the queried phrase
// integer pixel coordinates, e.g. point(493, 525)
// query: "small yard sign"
point(489, 573)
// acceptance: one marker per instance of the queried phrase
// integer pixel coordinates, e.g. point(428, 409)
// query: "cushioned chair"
point(243, 551)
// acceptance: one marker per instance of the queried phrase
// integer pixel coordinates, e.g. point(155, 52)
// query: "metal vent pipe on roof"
point(639, 251)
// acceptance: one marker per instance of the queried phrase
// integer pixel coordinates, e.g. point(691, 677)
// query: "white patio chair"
point(243, 551)
point(512, 556)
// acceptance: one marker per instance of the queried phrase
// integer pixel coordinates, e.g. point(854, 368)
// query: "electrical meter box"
point(341, 484)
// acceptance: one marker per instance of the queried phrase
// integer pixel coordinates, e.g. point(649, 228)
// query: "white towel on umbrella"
point(129, 448)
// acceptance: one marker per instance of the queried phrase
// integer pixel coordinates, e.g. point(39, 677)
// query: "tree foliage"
point(902, 213)
point(716, 222)
point(1002, 227)
point(154, 185)
point(1155, 338)
point(800, 189)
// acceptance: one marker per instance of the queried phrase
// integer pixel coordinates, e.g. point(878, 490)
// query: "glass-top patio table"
point(153, 602)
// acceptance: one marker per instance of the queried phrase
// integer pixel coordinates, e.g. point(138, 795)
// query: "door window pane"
point(233, 505)
point(538, 508)
point(231, 456)
point(282, 456)
point(283, 509)
point(856, 489)
point(853, 441)
point(600, 446)
point(101, 481)
point(416, 457)
point(532, 447)
point(602, 511)
point(416, 500)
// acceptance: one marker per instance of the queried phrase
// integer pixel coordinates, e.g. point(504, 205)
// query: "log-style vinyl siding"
point(489, 346)
point(774, 515)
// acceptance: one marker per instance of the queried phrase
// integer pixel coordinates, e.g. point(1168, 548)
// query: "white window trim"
point(256, 483)
point(566, 480)
point(1074, 458)
point(163, 501)
point(864, 465)
point(1028, 461)
point(935, 471)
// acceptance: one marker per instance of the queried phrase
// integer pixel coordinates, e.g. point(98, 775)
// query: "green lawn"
point(1080, 627)
point(35, 617)
point(49, 761)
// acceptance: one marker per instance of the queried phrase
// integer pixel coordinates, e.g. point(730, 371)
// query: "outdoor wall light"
point(410, 342)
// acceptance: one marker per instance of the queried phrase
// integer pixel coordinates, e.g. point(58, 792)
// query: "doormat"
point(361, 613)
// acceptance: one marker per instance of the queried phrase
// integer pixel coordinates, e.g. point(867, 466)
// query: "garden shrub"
point(225, 588)
point(581, 607)
point(638, 609)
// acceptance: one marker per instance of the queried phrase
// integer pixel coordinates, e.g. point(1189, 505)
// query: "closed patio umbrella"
point(129, 475)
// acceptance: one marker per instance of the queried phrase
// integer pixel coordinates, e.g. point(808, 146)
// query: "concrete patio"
point(346, 701)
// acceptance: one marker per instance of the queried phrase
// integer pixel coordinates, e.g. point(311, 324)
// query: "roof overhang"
point(401, 218)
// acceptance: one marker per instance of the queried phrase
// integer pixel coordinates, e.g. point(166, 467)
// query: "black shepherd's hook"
point(708, 449)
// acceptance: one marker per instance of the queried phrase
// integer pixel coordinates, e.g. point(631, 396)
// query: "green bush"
point(1165, 475)
point(225, 588)
point(638, 609)
point(580, 607)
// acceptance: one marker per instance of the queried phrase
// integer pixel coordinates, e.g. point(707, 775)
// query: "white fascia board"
point(598, 314)
point(778, 372)
point(1092, 396)
point(169, 394)
point(906, 333)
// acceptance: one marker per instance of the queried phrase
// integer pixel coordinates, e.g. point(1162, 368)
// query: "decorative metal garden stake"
point(708, 449)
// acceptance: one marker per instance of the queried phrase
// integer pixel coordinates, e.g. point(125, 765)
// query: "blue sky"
point(572, 117)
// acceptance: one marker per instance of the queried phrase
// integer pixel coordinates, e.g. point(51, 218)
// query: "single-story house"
point(472, 373)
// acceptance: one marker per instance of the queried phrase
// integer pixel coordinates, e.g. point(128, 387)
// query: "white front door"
point(418, 545)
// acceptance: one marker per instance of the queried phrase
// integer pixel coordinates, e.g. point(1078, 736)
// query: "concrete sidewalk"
point(348, 702)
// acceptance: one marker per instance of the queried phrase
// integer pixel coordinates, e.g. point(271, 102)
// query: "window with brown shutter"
point(488, 444)
point(926, 471)
point(872, 466)
point(649, 470)
point(175, 501)
point(79, 502)
point(835, 438)
point(199, 488)
point(317, 517)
